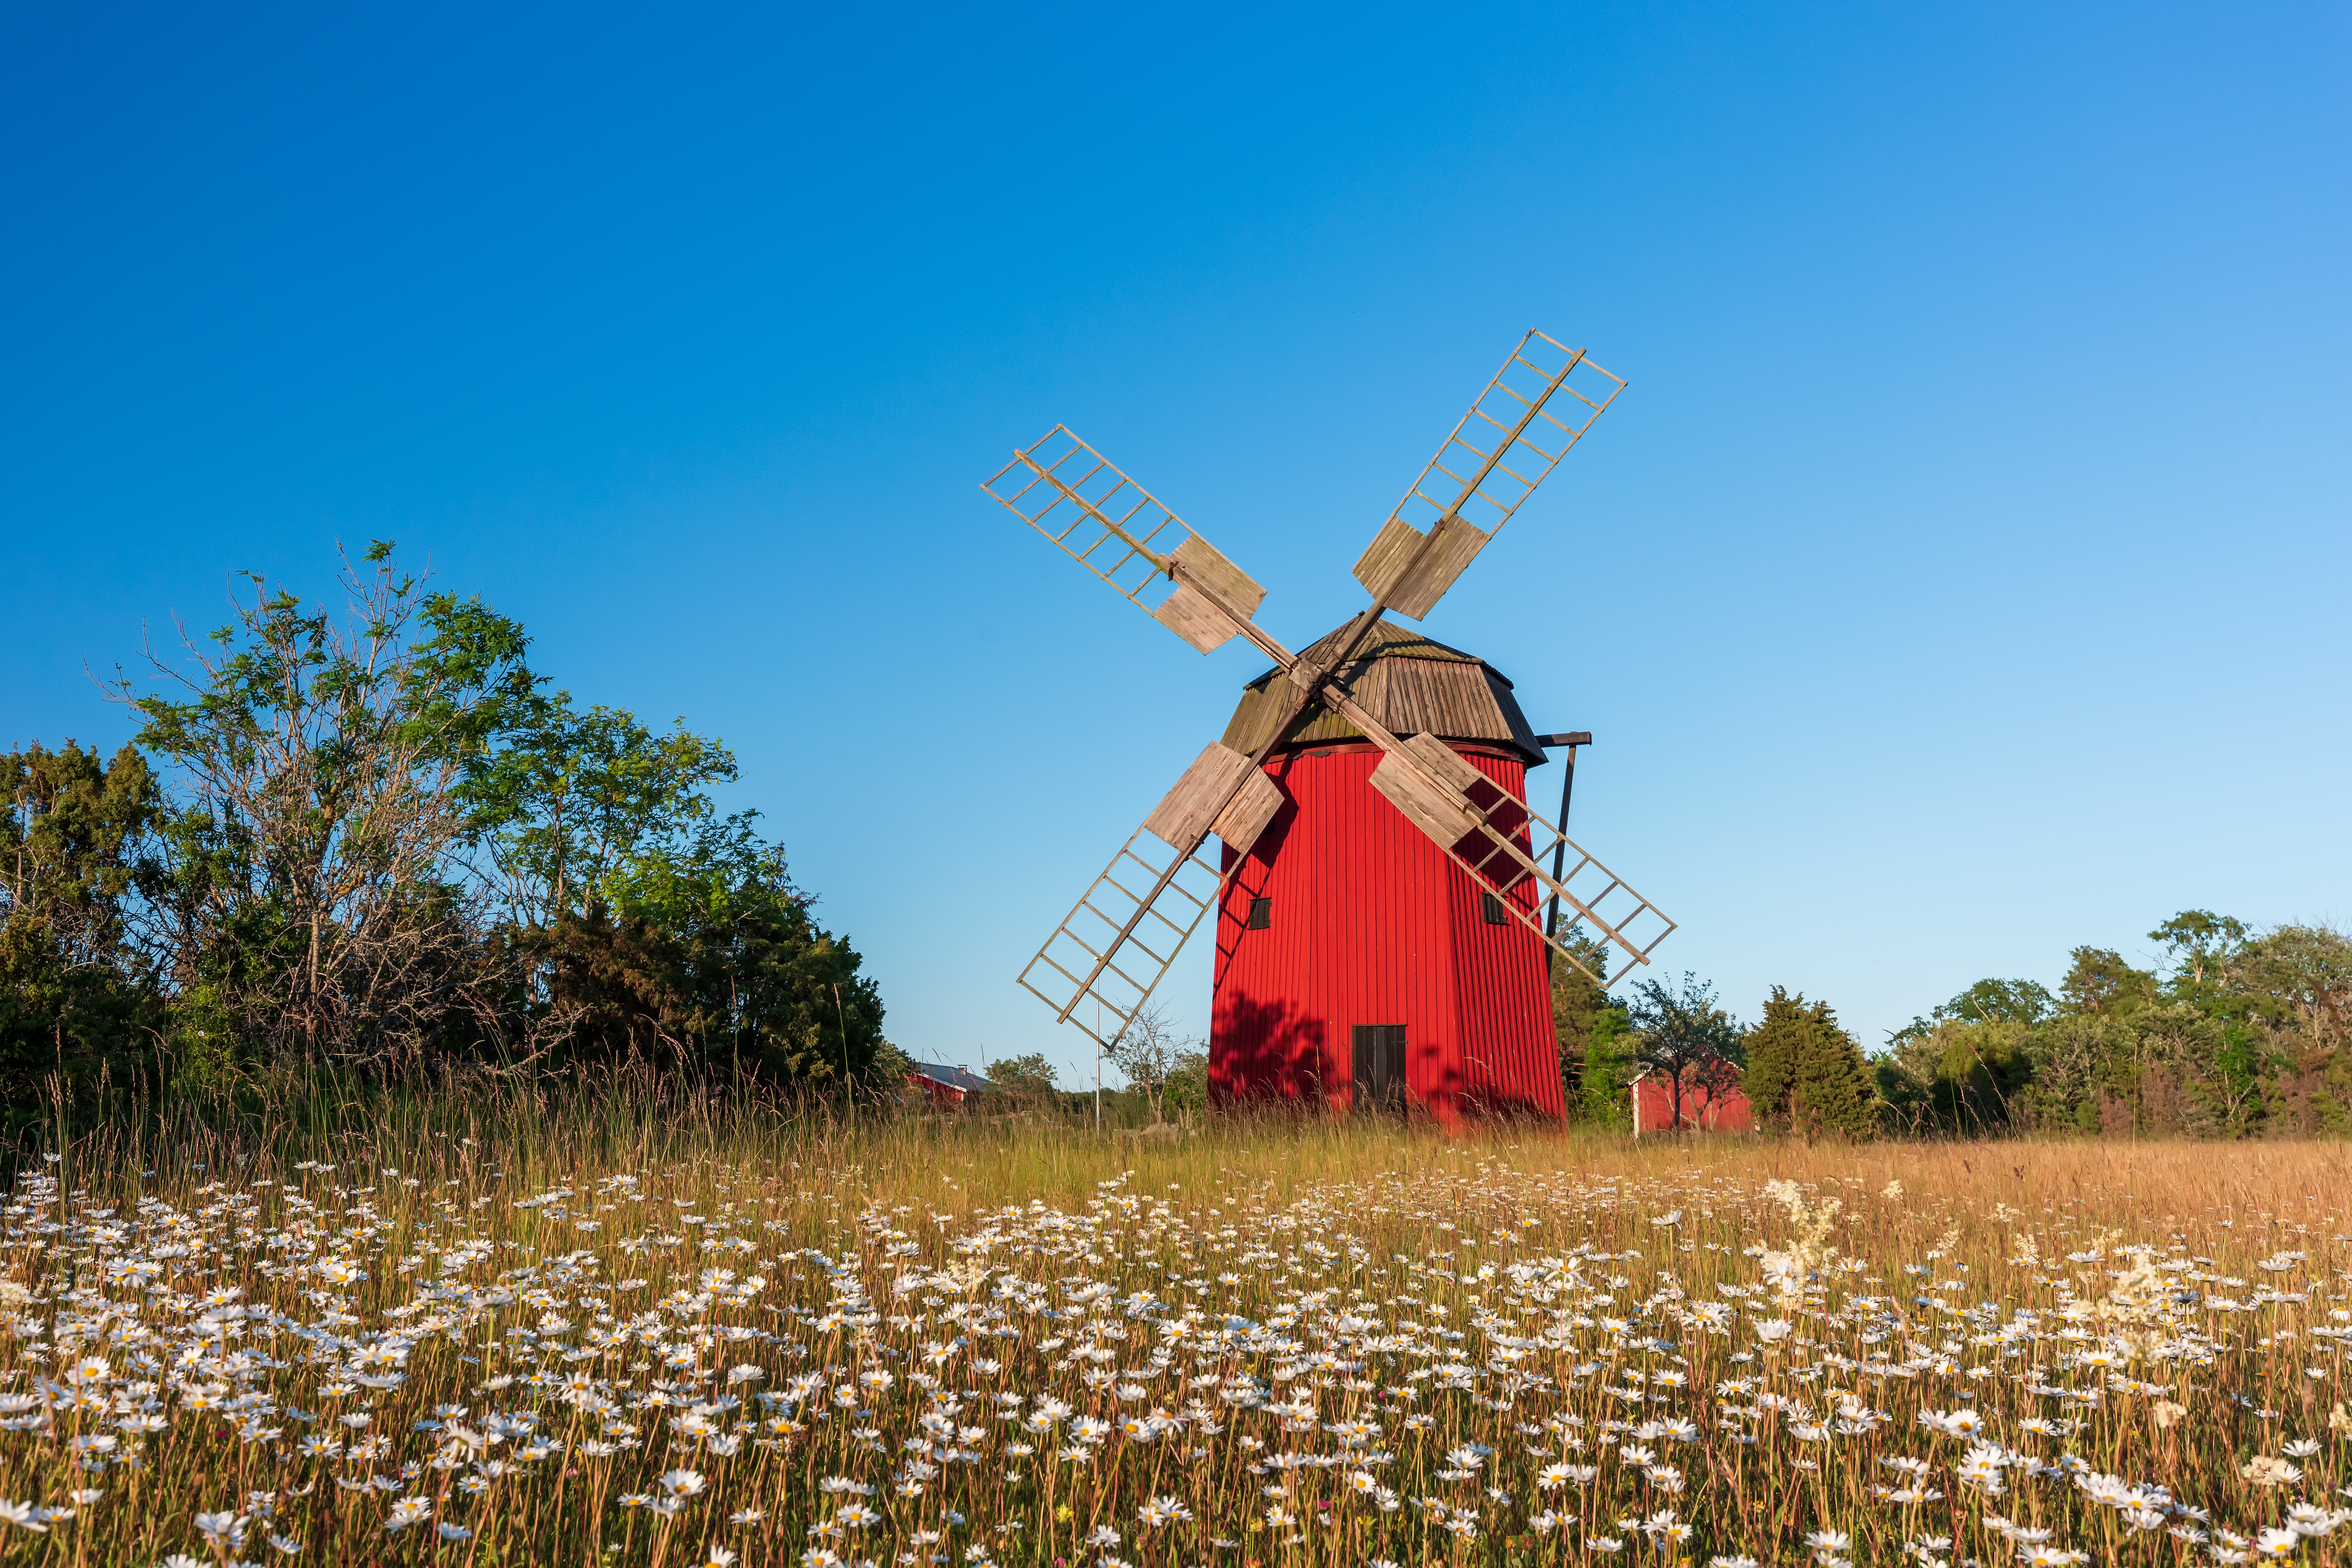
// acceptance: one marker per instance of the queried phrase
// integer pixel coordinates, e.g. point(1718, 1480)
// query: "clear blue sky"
point(1963, 576)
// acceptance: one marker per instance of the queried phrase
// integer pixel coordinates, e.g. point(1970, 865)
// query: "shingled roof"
point(1408, 683)
point(950, 1076)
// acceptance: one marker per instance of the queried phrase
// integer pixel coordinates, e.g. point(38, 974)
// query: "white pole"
point(1097, 1067)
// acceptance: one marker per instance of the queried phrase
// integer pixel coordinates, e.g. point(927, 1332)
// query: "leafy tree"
point(701, 952)
point(2086, 1066)
point(2024, 1001)
point(566, 803)
point(387, 839)
point(1027, 1081)
point(77, 1001)
point(1185, 1090)
point(1958, 1077)
point(1609, 1064)
point(1580, 1011)
point(307, 892)
point(644, 921)
point(2203, 947)
point(1685, 1039)
point(1149, 1051)
point(2305, 973)
point(2101, 981)
point(2190, 1069)
point(1806, 1073)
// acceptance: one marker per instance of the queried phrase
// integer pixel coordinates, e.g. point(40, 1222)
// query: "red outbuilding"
point(1356, 963)
point(946, 1088)
point(1653, 1098)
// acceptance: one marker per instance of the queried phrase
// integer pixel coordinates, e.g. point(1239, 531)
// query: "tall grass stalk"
point(638, 1322)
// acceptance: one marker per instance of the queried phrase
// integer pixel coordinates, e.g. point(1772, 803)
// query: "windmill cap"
point(1409, 683)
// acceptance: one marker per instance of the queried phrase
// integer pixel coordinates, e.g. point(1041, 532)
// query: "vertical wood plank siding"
point(1654, 1109)
point(1372, 924)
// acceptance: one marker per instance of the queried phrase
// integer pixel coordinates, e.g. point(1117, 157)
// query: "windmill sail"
point(1221, 793)
point(1111, 951)
point(1502, 843)
point(1123, 534)
point(1514, 433)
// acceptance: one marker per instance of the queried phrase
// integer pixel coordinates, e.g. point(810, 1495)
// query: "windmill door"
point(1380, 1067)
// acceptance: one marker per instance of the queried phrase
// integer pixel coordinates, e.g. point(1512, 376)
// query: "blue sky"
point(1960, 578)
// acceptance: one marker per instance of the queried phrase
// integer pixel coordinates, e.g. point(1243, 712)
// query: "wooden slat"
point(1438, 810)
point(1456, 544)
point(1185, 811)
point(1412, 696)
point(1087, 959)
point(1388, 571)
point(1400, 575)
point(1410, 684)
point(1442, 760)
point(1507, 441)
point(1125, 535)
point(1386, 557)
point(1241, 822)
point(1191, 616)
point(1200, 560)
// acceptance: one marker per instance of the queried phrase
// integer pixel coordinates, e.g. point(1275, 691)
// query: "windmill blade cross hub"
point(1115, 946)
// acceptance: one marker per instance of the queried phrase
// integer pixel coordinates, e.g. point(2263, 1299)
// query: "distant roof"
point(1410, 684)
point(954, 1077)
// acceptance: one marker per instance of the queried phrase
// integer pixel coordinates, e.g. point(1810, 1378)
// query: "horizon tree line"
point(2240, 1032)
point(373, 841)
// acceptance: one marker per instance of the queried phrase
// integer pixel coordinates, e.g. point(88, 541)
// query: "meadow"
point(635, 1325)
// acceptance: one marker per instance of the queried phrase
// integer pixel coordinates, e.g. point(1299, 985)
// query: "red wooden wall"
point(1371, 923)
point(935, 1092)
point(1653, 1103)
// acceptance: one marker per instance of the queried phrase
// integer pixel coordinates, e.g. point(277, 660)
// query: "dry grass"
point(1317, 1343)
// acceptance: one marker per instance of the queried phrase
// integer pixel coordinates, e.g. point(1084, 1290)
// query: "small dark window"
point(1492, 908)
point(1261, 914)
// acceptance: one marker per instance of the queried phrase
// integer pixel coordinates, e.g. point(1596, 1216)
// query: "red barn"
point(952, 1088)
point(1356, 963)
point(1653, 1099)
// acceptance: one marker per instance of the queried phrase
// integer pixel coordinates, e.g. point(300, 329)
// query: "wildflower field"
point(622, 1329)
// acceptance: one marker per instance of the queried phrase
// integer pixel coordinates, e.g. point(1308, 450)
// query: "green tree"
point(1148, 1051)
point(1806, 1074)
point(366, 835)
point(2024, 1001)
point(2203, 947)
point(701, 952)
point(1579, 1010)
point(78, 1003)
point(308, 895)
point(1778, 1048)
point(566, 803)
point(1185, 1091)
point(1026, 1082)
point(2304, 973)
point(2100, 982)
point(2086, 1069)
point(646, 923)
point(1685, 1040)
point(1609, 1064)
point(1959, 1076)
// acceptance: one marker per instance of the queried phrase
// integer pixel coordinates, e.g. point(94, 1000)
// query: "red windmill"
point(1379, 940)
